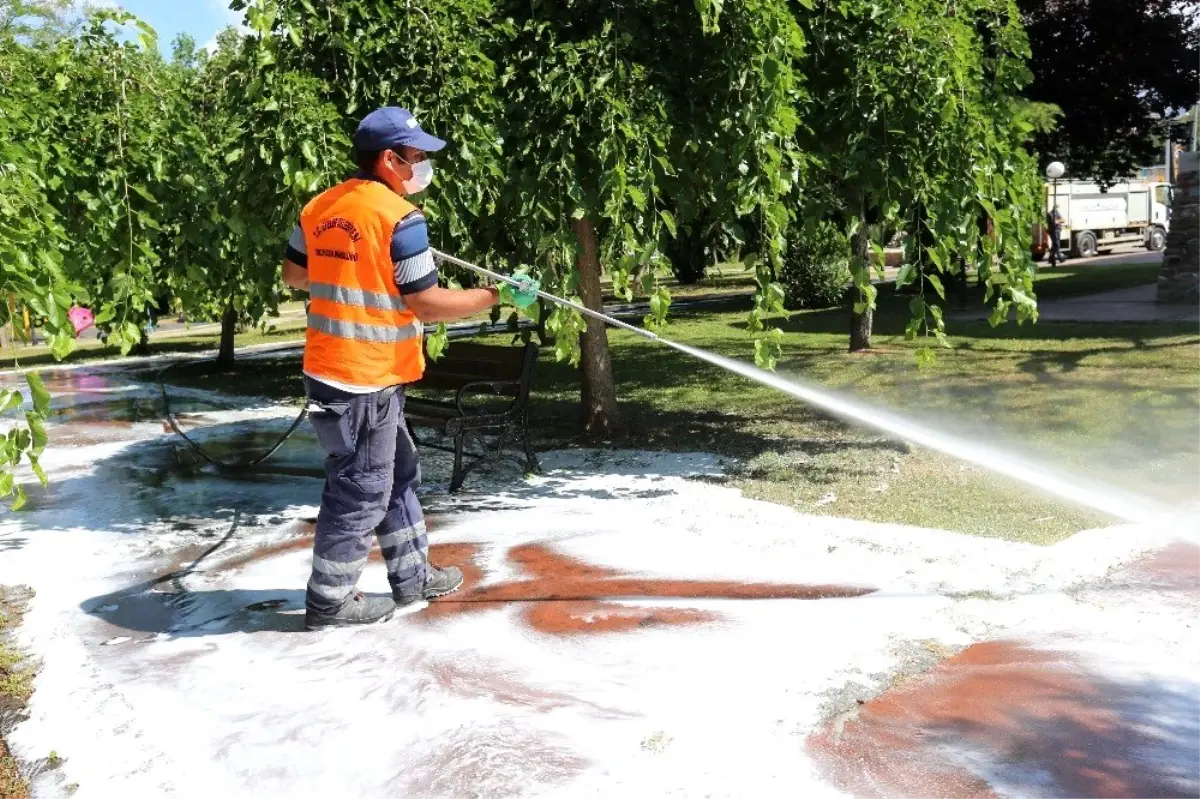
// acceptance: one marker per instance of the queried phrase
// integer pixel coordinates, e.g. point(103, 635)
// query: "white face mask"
point(422, 176)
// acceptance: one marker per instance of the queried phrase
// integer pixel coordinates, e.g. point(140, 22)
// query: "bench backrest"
point(466, 362)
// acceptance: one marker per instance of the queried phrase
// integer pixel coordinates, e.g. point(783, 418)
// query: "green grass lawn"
point(1113, 403)
point(1077, 278)
point(91, 350)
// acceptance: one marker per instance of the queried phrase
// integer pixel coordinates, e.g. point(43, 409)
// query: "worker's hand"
point(523, 295)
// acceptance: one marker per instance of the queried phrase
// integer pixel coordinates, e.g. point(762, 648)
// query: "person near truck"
point(1054, 223)
point(361, 251)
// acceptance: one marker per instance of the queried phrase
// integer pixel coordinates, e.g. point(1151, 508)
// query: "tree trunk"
point(686, 253)
point(860, 323)
point(601, 418)
point(860, 330)
point(228, 329)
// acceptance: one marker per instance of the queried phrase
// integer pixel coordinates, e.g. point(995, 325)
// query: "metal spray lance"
point(450, 259)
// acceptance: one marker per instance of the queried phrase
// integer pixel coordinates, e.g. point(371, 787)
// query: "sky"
point(201, 18)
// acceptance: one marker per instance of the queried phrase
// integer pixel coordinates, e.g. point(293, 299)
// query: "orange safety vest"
point(360, 331)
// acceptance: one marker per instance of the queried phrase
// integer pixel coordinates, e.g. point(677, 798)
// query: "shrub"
point(816, 267)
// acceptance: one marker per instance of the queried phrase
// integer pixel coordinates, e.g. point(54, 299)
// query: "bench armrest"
point(483, 387)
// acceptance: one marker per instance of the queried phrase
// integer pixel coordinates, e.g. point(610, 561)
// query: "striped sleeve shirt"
point(412, 260)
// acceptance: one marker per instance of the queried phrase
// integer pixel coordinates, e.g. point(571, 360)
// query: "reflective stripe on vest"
point(362, 299)
point(360, 330)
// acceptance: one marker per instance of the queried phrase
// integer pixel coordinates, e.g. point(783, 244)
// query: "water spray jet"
point(1121, 505)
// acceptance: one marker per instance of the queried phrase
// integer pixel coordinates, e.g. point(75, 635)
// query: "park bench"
point(491, 398)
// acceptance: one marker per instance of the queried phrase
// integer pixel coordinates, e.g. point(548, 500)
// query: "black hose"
point(199, 450)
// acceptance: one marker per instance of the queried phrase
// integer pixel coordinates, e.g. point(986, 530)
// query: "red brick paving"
point(563, 595)
point(1027, 710)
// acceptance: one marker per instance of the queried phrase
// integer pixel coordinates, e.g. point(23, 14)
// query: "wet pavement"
point(624, 629)
point(1041, 717)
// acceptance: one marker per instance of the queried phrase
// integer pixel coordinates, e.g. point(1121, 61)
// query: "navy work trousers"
point(371, 476)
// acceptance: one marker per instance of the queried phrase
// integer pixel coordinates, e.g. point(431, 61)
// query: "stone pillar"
point(1179, 278)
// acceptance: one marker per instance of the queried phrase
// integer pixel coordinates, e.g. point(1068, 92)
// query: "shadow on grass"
point(671, 402)
point(653, 419)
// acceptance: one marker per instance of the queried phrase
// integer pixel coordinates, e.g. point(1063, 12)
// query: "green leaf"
point(436, 344)
point(10, 400)
point(766, 352)
point(61, 81)
point(660, 301)
point(639, 199)
point(936, 257)
point(310, 154)
point(867, 301)
point(62, 345)
point(41, 397)
point(936, 282)
point(906, 275)
point(926, 357)
point(669, 221)
point(36, 465)
point(38, 431)
point(950, 109)
point(6, 483)
point(775, 297)
point(20, 499)
point(144, 193)
point(107, 314)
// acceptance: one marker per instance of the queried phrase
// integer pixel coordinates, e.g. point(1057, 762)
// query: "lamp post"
point(1054, 171)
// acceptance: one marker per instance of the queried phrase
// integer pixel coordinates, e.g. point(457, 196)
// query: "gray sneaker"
point(438, 582)
point(359, 609)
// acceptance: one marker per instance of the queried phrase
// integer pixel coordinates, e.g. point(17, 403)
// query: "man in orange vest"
point(361, 251)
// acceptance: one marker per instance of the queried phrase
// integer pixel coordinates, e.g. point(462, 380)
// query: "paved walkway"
point(1123, 305)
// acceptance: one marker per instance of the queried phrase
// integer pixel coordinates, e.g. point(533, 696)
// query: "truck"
point(1096, 219)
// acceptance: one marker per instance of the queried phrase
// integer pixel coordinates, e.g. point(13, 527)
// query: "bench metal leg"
point(458, 476)
point(531, 462)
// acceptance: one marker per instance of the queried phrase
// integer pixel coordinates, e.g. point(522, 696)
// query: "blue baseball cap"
point(392, 128)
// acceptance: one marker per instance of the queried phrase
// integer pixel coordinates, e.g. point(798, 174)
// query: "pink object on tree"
point(81, 318)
